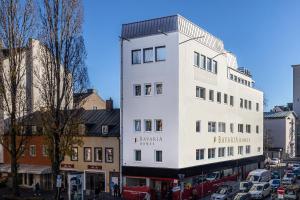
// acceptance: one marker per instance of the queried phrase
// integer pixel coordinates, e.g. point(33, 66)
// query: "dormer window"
point(104, 129)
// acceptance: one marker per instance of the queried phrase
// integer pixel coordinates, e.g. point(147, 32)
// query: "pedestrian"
point(116, 186)
point(37, 189)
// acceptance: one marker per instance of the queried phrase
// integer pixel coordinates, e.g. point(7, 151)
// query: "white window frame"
point(200, 154)
point(162, 88)
point(145, 89)
point(155, 125)
point(212, 127)
point(211, 95)
point(211, 153)
point(222, 127)
point(240, 150)
point(30, 151)
point(221, 152)
point(134, 125)
point(145, 125)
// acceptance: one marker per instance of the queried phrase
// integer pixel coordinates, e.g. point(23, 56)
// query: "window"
point(246, 104)
point(137, 125)
point(200, 92)
point(158, 156)
point(45, 150)
point(199, 154)
point(104, 129)
point(136, 56)
point(158, 88)
point(196, 59)
point(74, 154)
point(198, 126)
point(32, 150)
point(222, 127)
point(221, 151)
point(215, 67)
point(87, 154)
point(250, 105)
point(137, 155)
point(147, 89)
point(248, 149)
point(98, 154)
point(211, 95)
point(109, 155)
point(229, 151)
point(231, 76)
point(231, 128)
point(209, 65)
point(22, 150)
point(219, 97)
point(231, 101)
point(148, 55)
point(240, 150)
point(137, 90)
point(148, 125)
point(225, 98)
point(158, 125)
point(211, 153)
point(160, 53)
point(248, 128)
point(241, 103)
point(211, 126)
point(203, 62)
point(240, 128)
point(257, 129)
point(95, 108)
point(257, 107)
point(258, 149)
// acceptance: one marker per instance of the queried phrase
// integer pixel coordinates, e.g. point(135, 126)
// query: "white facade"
point(296, 89)
point(178, 106)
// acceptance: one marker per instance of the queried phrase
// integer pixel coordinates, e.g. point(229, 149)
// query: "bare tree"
point(63, 72)
point(16, 28)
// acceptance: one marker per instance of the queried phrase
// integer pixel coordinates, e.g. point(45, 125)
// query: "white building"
point(280, 134)
point(186, 106)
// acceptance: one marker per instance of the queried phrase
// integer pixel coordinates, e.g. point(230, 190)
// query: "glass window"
point(215, 67)
point(241, 103)
point(104, 129)
point(248, 149)
point(200, 92)
point(148, 125)
point(148, 89)
point(235, 78)
point(158, 125)
point(98, 154)
point(209, 65)
point(198, 126)
point(158, 88)
point(250, 105)
point(137, 90)
point(221, 151)
point(87, 151)
point(109, 155)
point(219, 97)
point(22, 150)
point(211, 153)
point(158, 156)
point(211, 95)
point(257, 106)
point(240, 150)
point(137, 155)
point(45, 150)
point(211, 126)
point(196, 59)
point(231, 101)
point(246, 104)
point(229, 151)
point(74, 154)
point(203, 62)
point(231, 76)
point(222, 127)
point(148, 55)
point(248, 128)
point(136, 56)
point(160, 53)
point(32, 150)
point(199, 154)
point(240, 128)
point(225, 98)
point(137, 125)
point(231, 127)
point(257, 129)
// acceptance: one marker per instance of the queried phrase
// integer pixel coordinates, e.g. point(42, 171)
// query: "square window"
point(87, 154)
point(98, 154)
point(199, 154)
point(137, 90)
point(212, 127)
point(74, 154)
point(137, 155)
point(196, 59)
point(136, 56)
point(148, 89)
point(109, 155)
point(198, 126)
point(211, 153)
point(148, 125)
point(158, 88)
point(137, 125)
point(160, 53)
point(158, 125)
point(158, 156)
point(148, 55)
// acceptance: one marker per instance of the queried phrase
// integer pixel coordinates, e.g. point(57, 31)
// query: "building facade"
point(280, 134)
point(186, 106)
point(296, 103)
point(89, 100)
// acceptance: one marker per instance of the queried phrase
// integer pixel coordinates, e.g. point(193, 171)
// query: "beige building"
point(89, 100)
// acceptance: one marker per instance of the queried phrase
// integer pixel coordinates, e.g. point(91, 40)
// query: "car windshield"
point(222, 190)
point(257, 187)
point(276, 181)
point(253, 178)
point(289, 175)
point(212, 175)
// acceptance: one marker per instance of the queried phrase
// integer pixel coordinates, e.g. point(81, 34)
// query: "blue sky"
point(263, 34)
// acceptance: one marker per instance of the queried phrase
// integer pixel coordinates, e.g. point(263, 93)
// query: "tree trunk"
point(13, 162)
point(56, 164)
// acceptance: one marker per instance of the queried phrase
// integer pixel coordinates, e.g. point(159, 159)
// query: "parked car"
point(275, 184)
point(259, 175)
point(260, 190)
point(275, 175)
point(297, 172)
point(245, 186)
point(292, 192)
point(224, 192)
point(274, 161)
point(289, 178)
point(242, 196)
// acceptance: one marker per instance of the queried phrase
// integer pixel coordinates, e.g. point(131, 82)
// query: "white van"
point(259, 175)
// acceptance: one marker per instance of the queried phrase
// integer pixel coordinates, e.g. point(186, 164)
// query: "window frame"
point(156, 57)
point(223, 150)
point(91, 156)
point(198, 126)
point(144, 51)
point(140, 59)
point(30, 148)
point(134, 125)
point(212, 124)
point(155, 125)
point(135, 91)
point(106, 155)
point(200, 154)
point(71, 157)
point(219, 97)
point(155, 156)
point(211, 153)
point(145, 125)
point(203, 61)
point(197, 59)
point(211, 95)
point(135, 155)
point(145, 89)
point(45, 150)
point(155, 88)
point(95, 154)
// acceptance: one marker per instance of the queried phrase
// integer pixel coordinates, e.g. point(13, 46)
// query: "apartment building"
point(187, 108)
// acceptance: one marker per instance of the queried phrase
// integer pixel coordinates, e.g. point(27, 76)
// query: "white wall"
point(296, 89)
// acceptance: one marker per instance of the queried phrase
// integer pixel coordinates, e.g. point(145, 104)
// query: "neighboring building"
point(186, 106)
point(89, 100)
point(280, 134)
point(296, 103)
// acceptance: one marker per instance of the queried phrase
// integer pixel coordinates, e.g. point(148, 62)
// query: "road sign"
point(58, 181)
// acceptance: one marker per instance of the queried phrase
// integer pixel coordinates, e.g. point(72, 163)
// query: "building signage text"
point(67, 166)
point(220, 139)
point(147, 141)
point(95, 167)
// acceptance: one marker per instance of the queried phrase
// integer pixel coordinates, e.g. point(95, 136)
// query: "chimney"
point(91, 90)
point(109, 104)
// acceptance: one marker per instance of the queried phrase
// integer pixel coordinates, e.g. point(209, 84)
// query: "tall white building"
point(186, 106)
point(296, 103)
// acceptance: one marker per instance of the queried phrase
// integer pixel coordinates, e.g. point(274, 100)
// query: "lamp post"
point(194, 38)
point(181, 178)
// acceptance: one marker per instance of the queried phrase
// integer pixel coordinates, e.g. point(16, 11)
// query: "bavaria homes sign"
point(147, 141)
point(220, 139)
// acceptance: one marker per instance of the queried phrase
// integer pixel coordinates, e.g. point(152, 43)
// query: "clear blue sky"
point(264, 34)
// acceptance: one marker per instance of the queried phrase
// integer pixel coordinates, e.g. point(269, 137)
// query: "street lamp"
point(222, 53)
point(194, 38)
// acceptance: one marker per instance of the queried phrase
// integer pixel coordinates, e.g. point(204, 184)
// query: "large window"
point(158, 88)
point(200, 92)
point(148, 89)
point(196, 59)
point(136, 56)
point(109, 155)
point(158, 156)
point(240, 128)
point(74, 154)
point(211, 153)
point(221, 151)
point(222, 127)
point(209, 65)
point(248, 149)
point(87, 154)
point(229, 151)
point(98, 154)
point(211, 95)
point(148, 125)
point(211, 126)
point(215, 67)
point(200, 154)
point(240, 150)
point(148, 55)
point(219, 97)
point(248, 128)
point(231, 101)
point(160, 53)
point(32, 150)
point(203, 62)
point(158, 125)
point(137, 90)
point(137, 125)
point(137, 155)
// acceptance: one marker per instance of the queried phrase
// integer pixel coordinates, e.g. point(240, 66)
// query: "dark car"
point(242, 196)
point(297, 172)
point(275, 175)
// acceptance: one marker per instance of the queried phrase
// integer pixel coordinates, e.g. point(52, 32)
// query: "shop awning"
point(29, 169)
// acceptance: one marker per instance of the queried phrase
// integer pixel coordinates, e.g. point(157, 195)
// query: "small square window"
point(137, 155)
point(158, 88)
point(200, 92)
point(160, 53)
point(137, 90)
point(148, 125)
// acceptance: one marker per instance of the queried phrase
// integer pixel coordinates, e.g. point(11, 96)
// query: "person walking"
point(37, 189)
